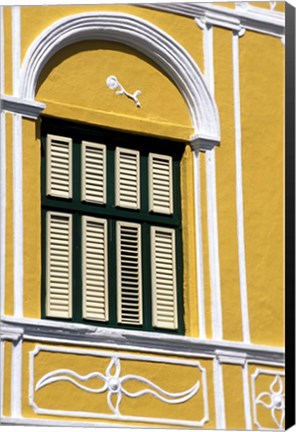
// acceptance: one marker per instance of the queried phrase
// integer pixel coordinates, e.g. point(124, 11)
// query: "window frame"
point(146, 218)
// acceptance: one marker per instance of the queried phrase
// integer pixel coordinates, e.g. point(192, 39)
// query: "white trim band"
point(86, 335)
point(243, 17)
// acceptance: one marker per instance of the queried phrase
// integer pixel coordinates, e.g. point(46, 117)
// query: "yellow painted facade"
point(232, 351)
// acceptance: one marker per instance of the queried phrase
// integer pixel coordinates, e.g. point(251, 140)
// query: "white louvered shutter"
point(94, 274)
point(129, 274)
point(93, 172)
point(59, 265)
point(160, 184)
point(164, 299)
point(59, 166)
point(127, 178)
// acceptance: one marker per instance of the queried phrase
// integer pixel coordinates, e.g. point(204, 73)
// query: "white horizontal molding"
point(218, 20)
point(139, 34)
point(250, 18)
point(86, 335)
point(26, 108)
point(46, 425)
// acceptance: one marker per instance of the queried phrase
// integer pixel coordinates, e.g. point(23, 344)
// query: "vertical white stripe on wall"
point(2, 207)
point(247, 401)
point(18, 215)
point(2, 348)
point(199, 248)
point(219, 395)
point(217, 328)
point(16, 379)
point(16, 48)
point(239, 190)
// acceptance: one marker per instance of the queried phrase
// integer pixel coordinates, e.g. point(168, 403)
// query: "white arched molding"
point(142, 36)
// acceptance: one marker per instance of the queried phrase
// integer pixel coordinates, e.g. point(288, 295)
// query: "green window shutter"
point(129, 274)
point(59, 166)
point(127, 175)
point(93, 172)
point(163, 267)
point(160, 184)
point(94, 268)
point(59, 265)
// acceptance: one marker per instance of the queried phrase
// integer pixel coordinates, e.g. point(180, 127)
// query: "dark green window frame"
point(109, 211)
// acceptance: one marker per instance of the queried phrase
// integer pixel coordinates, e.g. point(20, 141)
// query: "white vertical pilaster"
point(199, 247)
point(217, 327)
point(247, 401)
point(2, 347)
point(239, 190)
point(16, 379)
point(219, 395)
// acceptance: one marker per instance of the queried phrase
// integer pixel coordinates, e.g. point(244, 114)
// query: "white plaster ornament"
point(113, 384)
point(113, 84)
point(274, 400)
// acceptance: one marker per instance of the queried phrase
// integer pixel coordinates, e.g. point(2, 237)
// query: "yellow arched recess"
point(73, 85)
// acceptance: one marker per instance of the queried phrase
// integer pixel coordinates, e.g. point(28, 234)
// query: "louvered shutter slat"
point(160, 184)
point(163, 278)
point(59, 265)
point(127, 178)
point(59, 166)
point(93, 172)
point(129, 273)
point(95, 293)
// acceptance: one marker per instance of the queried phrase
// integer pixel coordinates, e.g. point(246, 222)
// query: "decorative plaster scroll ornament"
point(113, 384)
point(273, 400)
point(113, 83)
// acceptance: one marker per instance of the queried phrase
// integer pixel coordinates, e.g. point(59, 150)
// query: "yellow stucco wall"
point(234, 397)
point(226, 189)
point(32, 218)
point(262, 98)
point(7, 379)
point(189, 260)
point(7, 31)
point(84, 96)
